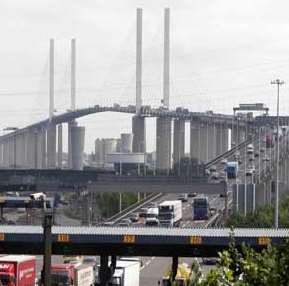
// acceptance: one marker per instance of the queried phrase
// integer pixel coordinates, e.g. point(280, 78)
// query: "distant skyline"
point(223, 53)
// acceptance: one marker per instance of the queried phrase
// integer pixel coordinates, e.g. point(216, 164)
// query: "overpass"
point(72, 180)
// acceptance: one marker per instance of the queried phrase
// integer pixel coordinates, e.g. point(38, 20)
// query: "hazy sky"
point(222, 53)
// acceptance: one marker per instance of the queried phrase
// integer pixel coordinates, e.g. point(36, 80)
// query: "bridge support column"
point(51, 146)
point(43, 148)
point(179, 143)
point(261, 194)
point(211, 141)
point(139, 134)
point(5, 154)
point(204, 142)
point(163, 148)
point(219, 139)
point(59, 146)
point(76, 147)
point(195, 140)
point(38, 149)
point(224, 138)
point(175, 263)
point(105, 271)
point(1, 154)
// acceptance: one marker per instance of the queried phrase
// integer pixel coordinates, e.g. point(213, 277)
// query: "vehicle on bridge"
point(170, 213)
point(201, 208)
point(38, 196)
point(232, 170)
point(17, 270)
point(250, 149)
point(269, 141)
point(72, 274)
point(152, 217)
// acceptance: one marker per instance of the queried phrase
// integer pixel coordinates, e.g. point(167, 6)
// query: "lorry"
point(17, 270)
point(201, 208)
point(126, 273)
point(70, 274)
point(152, 217)
point(170, 213)
point(232, 170)
point(269, 141)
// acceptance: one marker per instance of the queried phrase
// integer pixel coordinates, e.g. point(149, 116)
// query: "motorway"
point(153, 268)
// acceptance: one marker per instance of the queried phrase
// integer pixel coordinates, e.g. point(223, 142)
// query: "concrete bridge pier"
point(195, 140)
point(204, 142)
point(163, 146)
point(51, 146)
point(5, 154)
point(219, 139)
point(76, 142)
point(59, 146)
point(1, 155)
point(139, 134)
point(43, 144)
point(179, 143)
point(211, 141)
point(234, 136)
point(225, 138)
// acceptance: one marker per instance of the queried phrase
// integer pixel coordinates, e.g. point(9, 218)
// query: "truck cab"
point(170, 213)
point(152, 217)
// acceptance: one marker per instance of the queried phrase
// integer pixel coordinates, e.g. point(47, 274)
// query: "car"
point(251, 159)
point(215, 176)
point(250, 171)
point(210, 260)
point(134, 217)
point(266, 159)
point(143, 212)
point(152, 205)
point(192, 195)
point(124, 222)
point(237, 155)
point(213, 168)
point(108, 223)
point(183, 197)
point(262, 150)
point(256, 154)
point(224, 161)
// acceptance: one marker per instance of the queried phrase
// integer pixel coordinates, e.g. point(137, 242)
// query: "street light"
point(14, 138)
point(278, 82)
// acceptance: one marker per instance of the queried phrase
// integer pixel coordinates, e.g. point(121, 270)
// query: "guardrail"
point(230, 152)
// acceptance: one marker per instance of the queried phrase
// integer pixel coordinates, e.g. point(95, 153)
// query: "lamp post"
point(278, 82)
point(14, 142)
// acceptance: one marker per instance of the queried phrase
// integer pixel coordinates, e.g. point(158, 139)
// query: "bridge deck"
point(135, 241)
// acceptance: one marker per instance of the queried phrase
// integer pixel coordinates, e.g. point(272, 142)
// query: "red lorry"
point(269, 141)
point(70, 274)
point(17, 270)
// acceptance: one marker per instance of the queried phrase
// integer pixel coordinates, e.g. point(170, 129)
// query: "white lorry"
point(126, 273)
point(170, 213)
point(152, 217)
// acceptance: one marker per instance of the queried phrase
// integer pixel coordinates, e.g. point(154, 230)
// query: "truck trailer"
point(170, 213)
point(232, 170)
point(126, 273)
point(17, 270)
point(69, 274)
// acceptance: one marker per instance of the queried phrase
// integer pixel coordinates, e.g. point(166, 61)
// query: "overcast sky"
point(223, 52)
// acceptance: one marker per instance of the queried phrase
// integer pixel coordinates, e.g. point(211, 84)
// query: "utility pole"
point(47, 239)
point(278, 82)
